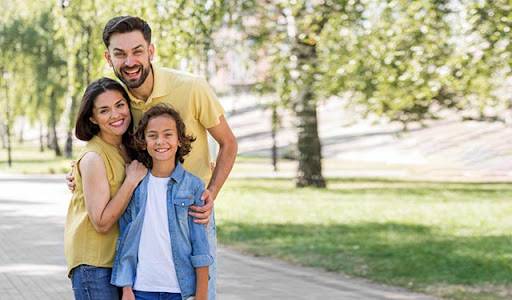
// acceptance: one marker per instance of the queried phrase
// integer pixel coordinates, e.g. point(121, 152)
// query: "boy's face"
point(161, 136)
point(130, 57)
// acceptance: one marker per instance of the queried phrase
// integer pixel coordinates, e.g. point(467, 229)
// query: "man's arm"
point(228, 148)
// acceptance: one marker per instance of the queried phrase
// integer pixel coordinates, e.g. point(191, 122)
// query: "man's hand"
point(202, 214)
point(128, 294)
point(70, 179)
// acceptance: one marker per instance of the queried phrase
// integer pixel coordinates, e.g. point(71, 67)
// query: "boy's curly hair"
point(139, 142)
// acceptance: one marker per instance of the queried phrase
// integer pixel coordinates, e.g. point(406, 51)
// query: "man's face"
point(129, 55)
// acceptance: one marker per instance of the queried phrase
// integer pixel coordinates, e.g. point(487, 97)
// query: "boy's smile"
point(161, 137)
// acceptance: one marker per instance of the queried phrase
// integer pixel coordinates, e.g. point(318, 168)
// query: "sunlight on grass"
point(27, 159)
point(414, 234)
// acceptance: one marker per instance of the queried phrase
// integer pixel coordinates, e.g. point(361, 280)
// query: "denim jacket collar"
point(178, 173)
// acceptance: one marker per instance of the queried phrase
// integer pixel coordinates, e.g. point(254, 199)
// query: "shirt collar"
point(161, 86)
point(178, 173)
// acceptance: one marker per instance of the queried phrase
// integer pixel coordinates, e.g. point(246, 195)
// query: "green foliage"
point(395, 60)
point(486, 56)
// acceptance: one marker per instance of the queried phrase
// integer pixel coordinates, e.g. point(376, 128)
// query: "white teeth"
point(161, 150)
point(131, 72)
point(117, 123)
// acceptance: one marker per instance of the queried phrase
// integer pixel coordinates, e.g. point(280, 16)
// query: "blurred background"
point(383, 110)
point(399, 87)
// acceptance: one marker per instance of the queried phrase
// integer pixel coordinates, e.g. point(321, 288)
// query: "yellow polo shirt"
point(195, 101)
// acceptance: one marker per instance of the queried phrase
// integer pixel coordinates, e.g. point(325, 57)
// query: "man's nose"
point(130, 61)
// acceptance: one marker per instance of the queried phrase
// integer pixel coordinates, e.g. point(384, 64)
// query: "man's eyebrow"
point(134, 48)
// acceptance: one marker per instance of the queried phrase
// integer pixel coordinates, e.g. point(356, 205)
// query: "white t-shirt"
point(155, 268)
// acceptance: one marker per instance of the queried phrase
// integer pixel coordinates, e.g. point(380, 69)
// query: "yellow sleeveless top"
point(82, 243)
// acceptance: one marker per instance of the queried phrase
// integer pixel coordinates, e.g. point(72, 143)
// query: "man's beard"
point(133, 84)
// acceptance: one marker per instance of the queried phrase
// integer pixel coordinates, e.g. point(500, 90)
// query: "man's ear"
point(107, 57)
point(151, 51)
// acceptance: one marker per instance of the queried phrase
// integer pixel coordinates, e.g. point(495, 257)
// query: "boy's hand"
point(128, 293)
point(202, 214)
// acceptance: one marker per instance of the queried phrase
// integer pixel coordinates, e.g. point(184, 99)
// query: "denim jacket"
point(189, 240)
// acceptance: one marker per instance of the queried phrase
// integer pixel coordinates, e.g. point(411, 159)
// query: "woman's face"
point(111, 113)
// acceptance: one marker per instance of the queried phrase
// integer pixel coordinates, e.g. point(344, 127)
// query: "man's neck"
point(144, 91)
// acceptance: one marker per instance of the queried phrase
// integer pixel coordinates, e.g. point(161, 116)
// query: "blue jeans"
point(93, 283)
point(212, 269)
point(140, 295)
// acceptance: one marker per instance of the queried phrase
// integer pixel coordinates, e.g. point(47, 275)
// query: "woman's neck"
point(114, 140)
point(162, 168)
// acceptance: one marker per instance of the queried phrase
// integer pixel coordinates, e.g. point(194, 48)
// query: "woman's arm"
point(103, 211)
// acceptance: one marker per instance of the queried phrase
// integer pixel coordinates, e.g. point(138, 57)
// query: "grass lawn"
point(27, 159)
point(450, 240)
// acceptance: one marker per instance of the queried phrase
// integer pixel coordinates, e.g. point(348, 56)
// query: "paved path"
point(32, 266)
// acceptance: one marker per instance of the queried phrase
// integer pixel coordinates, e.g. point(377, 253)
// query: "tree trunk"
point(275, 124)
point(20, 138)
point(310, 150)
point(55, 141)
point(41, 137)
point(9, 147)
point(49, 140)
point(53, 125)
point(68, 148)
point(3, 136)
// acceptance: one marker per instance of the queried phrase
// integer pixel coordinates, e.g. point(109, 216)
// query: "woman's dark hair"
point(85, 130)
point(139, 142)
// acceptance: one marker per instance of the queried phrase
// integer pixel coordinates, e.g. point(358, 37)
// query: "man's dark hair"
point(139, 142)
point(85, 130)
point(125, 24)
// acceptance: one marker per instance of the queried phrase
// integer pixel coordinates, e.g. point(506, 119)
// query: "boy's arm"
point(128, 293)
point(201, 283)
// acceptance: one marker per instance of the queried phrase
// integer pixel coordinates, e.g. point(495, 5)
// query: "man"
point(130, 52)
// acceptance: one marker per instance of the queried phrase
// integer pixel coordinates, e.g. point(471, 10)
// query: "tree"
point(486, 56)
point(397, 64)
point(291, 33)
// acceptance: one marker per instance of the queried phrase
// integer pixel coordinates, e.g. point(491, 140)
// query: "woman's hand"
point(70, 179)
point(135, 172)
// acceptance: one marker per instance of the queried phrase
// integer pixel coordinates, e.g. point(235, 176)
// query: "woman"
point(104, 185)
